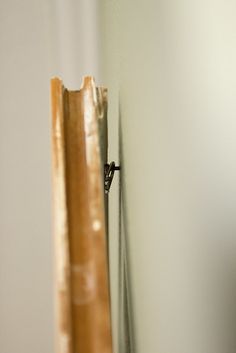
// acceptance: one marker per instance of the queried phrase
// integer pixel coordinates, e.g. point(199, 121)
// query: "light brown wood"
point(60, 223)
point(82, 288)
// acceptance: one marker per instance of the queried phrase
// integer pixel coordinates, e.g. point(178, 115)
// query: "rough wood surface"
point(82, 288)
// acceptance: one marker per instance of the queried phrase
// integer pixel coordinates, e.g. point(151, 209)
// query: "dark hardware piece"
point(109, 170)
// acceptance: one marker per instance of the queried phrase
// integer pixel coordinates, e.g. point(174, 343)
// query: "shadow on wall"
point(126, 315)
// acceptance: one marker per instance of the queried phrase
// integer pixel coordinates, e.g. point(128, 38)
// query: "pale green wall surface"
point(170, 70)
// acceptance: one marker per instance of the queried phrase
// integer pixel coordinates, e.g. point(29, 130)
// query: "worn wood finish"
point(82, 288)
point(60, 223)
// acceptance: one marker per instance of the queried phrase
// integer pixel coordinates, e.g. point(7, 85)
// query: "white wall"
point(38, 39)
point(170, 68)
point(25, 236)
point(75, 40)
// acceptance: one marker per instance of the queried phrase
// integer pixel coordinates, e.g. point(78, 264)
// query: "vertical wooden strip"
point(60, 224)
point(83, 114)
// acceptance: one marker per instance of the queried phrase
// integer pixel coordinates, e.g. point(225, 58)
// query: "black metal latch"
point(109, 171)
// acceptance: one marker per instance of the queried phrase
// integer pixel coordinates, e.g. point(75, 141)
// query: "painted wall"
point(170, 70)
point(38, 40)
point(25, 240)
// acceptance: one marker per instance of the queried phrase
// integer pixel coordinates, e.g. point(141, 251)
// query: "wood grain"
point(82, 287)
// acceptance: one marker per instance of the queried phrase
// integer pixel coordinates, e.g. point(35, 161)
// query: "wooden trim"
point(82, 287)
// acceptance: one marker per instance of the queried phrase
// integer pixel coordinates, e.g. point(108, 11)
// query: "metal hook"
point(109, 171)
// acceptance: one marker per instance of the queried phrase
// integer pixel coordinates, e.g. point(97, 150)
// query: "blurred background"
point(170, 70)
point(39, 40)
